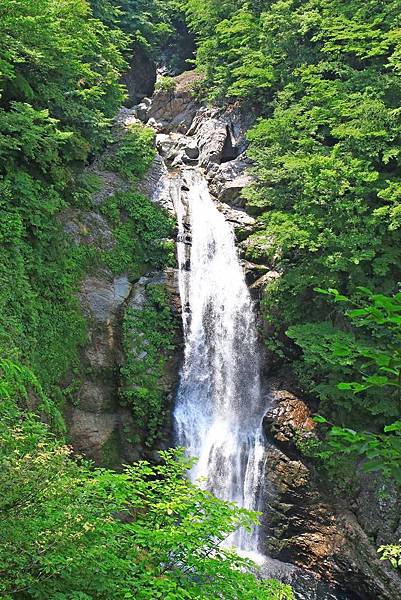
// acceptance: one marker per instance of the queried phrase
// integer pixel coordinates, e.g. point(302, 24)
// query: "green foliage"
point(327, 172)
point(69, 531)
point(134, 153)
point(142, 231)
point(325, 76)
point(20, 392)
point(50, 58)
point(391, 553)
point(59, 85)
point(166, 84)
point(148, 22)
point(371, 353)
point(230, 52)
point(148, 339)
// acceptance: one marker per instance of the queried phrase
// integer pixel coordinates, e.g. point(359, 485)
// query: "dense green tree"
point(59, 86)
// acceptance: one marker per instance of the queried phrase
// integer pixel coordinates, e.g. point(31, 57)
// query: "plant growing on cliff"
point(324, 77)
point(148, 339)
point(59, 84)
point(166, 84)
point(134, 154)
point(392, 553)
point(142, 231)
point(375, 354)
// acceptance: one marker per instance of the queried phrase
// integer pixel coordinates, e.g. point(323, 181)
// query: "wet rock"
point(306, 527)
point(91, 431)
point(191, 149)
point(165, 144)
point(239, 218)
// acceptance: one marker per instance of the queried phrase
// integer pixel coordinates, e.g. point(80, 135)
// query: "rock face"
point(96, 419)
point(309, 529)
point(211, 138)
point(174, 110)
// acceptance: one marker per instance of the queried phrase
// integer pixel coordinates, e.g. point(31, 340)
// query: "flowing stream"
point(219, 408)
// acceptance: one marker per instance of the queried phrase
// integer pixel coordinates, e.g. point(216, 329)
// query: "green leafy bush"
point(142, 231)
point(133, 154)
point(373, 354)
point(59, 82)
point(324, 78)
point(166, 84)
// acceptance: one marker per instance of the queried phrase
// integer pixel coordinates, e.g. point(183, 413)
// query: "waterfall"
point(219, 408)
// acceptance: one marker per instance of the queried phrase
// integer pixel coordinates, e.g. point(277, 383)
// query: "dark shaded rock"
point(253, 272)
point(191, 150)
point(265, 279)
point(377, 507)
point(140, 79)
point(141, 111)
point(103, 295)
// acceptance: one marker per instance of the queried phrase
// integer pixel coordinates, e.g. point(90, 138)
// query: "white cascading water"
point(219, 409)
